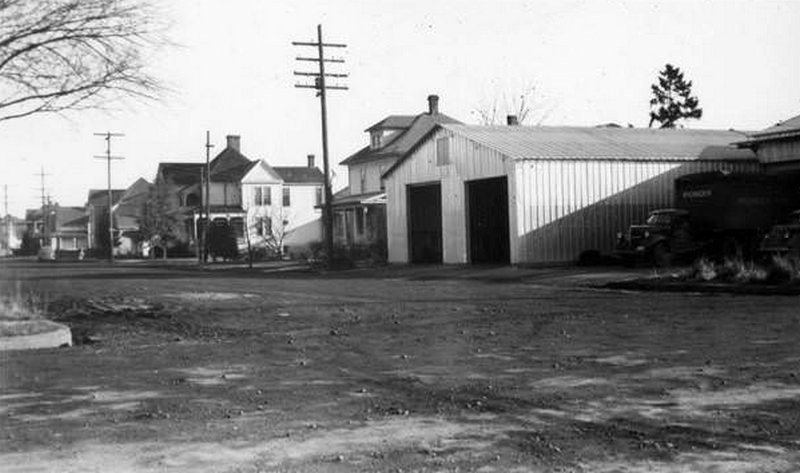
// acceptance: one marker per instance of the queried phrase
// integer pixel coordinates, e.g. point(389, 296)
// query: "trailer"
point(716, 214)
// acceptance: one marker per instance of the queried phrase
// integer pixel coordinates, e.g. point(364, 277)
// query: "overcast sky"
point(591, 62)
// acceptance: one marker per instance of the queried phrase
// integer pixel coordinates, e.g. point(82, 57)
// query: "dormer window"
point(375, 139)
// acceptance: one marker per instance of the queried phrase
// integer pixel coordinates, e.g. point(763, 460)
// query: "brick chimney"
point(512, 120)
point(234, 141)
point(311, 160)
point(433, 104)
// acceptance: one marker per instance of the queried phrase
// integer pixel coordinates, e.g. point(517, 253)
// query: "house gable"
point(261, 173)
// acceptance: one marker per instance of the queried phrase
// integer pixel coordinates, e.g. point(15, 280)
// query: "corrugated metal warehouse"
point(471, 194)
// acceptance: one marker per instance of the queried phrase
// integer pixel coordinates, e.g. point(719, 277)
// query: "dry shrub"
point(783, 269)
point(18, 305)
point(730, 270)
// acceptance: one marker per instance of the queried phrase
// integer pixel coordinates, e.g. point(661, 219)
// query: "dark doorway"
point(487, 208)
point(425, 223)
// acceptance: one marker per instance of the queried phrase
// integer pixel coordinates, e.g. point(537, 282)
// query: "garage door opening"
point(425, 223)
point(487, 210)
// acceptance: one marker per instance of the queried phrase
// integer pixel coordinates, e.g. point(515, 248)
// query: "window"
point(263, 226)
point(192, 200)
point(375, 139)
point(257, 196)
point(338, 224)
point(267, 195)
point(360, 217)
point(363, 180)
point(318, 196)
point(237, 224)
point(442, 151)
point(287, 198)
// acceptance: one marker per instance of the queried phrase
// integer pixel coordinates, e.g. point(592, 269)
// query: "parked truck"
point(716, 214)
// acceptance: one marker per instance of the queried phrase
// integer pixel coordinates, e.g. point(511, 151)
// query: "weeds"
point(777, 269)
point(15, 304)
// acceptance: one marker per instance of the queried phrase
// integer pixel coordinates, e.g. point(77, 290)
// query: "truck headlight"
point(619, 235)
point(646, 234)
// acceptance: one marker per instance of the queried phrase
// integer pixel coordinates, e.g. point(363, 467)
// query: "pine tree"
point(672, 99)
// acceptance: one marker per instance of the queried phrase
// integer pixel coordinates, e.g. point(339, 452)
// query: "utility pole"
point(207, 199)
point(322, 87)
point(7, 218)
point(108, 135)
point(42, 189)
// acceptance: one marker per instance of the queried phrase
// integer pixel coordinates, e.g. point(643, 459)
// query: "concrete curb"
point(55, 335)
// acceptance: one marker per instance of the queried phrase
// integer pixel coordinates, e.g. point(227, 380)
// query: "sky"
point(231, 72)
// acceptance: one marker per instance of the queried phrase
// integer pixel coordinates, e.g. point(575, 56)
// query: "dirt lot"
point(422, 369)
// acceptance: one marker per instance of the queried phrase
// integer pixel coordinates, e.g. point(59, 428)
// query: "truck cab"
point(783, 239)
point(665, 235)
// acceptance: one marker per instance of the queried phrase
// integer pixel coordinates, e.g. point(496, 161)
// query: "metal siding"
point(572, 206)
point(467, 162)
point(557, 207)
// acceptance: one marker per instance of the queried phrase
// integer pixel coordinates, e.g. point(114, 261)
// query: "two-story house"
point(359, 211)
point(277, 205)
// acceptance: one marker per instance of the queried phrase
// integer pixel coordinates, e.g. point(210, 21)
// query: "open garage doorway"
point(487, 212)
point(425, 223)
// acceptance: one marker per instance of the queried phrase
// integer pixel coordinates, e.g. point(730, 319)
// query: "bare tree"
point(272, 237)
point(527, 105)
point(158, 224)
point(60, 55)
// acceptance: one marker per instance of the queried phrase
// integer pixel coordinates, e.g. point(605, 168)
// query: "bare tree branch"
point(62, 55)
point(527, 105)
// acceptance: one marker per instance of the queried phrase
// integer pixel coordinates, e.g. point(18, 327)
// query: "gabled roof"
point(228, 158)
point(566, 143)
point(233, 173)
point(393, 122)
point(182, 174)
point(132, 202)
point(69, 216)
point(300, 174)
point(99, 197)
point(403, 141)
point(525, 142)
point(786, 129)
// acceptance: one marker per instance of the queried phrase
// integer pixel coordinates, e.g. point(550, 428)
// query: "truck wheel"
point(661, 255)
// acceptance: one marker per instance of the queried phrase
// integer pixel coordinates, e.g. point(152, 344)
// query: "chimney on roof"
point(311, 160)
point(512, 120)
point(234, 141)
point(433, 104)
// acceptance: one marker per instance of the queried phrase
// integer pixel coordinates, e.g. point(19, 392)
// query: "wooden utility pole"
point(42, 189)
point(107, 135)
point(322, 87)
point(207, 200)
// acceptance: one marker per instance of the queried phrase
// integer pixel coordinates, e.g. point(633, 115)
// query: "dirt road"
point(393, 370)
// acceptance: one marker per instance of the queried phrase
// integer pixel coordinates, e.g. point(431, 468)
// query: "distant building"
point(269, 203)
point(778, 147)
point(11, 231)
point(360, 209)
point(60, 228)
point(525, 195)
point(96, 209)
point(128, 211)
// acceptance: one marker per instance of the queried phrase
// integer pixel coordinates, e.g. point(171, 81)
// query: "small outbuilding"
point(526, 195)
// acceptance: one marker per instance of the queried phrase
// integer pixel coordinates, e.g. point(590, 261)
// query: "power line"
point(107, 136)
point(322, 87)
